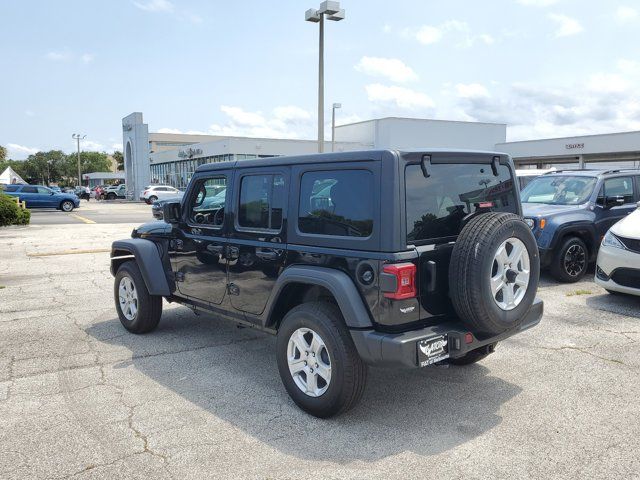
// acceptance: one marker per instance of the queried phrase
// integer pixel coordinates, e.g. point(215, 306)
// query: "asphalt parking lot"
point(82, 398)
point(90, 212)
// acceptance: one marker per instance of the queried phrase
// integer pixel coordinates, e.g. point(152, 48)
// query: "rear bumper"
point(399, 349)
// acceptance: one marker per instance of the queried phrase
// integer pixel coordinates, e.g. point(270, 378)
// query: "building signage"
point(571, 146)
point(189, 152)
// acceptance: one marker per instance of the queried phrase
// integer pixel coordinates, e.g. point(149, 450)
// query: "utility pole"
point(79, 137)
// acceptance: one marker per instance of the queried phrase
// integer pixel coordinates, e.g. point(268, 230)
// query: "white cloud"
point(629, 67)
point(116, 146)
point(291, 113)
point(400, 96)
point(90, 146)
point(29, 113)
point(430, 34)
point(87, 57)
point(626, 14)
point(59, 56)
point(566, 25)
point(608, 83)
point(386, 28)
point(287, 121)
point(392, 68)
point(538, 3)
point(19, 152)
point(471, 90)
point(155, 6)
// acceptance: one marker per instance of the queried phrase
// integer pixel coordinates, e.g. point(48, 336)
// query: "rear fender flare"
point(340, 285)
point(149, 262)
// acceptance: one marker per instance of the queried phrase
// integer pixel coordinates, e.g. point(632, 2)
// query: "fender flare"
point(337, 282)
point(575, 227)
point(149, 262)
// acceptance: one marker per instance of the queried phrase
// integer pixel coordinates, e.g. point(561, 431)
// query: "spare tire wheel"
point(494, 270)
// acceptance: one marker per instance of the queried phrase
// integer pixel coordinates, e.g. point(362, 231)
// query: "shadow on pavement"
point(232, 374)
point(622, 304)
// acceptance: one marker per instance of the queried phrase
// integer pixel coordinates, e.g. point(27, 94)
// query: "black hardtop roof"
point(351, 156)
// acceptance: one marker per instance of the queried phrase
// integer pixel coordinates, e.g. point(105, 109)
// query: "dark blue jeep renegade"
point(570, 211)
point(351, 259)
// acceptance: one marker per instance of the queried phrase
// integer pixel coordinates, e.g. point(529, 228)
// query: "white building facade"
point(168, 158)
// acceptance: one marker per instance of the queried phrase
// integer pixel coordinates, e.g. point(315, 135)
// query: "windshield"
point(559, 190)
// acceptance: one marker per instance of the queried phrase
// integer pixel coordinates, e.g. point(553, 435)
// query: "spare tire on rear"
point(494, 272)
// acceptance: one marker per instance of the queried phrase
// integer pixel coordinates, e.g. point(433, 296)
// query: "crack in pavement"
point(585, 351)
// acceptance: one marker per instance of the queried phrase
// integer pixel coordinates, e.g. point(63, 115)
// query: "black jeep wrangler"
point(352, 259)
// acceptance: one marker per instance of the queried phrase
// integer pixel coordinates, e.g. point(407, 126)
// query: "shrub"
point(11, 213)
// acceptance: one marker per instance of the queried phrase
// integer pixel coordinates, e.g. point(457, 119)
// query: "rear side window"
point(11, 188)
point(436, 205)
point(29, 190)
point(336, 203)
point(261, 202)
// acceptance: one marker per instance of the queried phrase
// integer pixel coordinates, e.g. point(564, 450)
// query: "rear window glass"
point(337, 203)
point(436, 205)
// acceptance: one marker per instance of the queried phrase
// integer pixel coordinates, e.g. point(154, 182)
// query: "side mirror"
point(52, 192)
point(171, 212)
point(614, 201)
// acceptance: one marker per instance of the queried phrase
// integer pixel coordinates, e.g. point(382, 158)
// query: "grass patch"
point(579, 292)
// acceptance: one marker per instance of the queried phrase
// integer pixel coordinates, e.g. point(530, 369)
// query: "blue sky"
point(545, 67)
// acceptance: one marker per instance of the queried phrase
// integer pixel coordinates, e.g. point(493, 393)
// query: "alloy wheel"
point(510, 273)
point(575, 260)
point(309, 362)
point(128, 298)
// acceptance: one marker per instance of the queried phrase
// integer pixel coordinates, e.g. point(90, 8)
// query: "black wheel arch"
point(585, 231)
point(149, 261)
point(297, 283)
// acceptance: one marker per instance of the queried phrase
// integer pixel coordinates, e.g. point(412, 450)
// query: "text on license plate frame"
point(432, 350)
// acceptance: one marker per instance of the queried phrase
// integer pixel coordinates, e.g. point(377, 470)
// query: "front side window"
point(43, 191)
point(559, 190)
point(261, 202)
point(617, 187)
point(437, 205)
point(337, 203)
point(207, 207)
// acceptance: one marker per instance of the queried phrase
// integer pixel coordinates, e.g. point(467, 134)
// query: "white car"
point(152, 193)
point(618, 265)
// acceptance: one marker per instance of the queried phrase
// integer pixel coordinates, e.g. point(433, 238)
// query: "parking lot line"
point(68, 252)
point(82, 219)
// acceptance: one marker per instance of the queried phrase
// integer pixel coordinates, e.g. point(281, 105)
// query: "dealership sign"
point(571, 146)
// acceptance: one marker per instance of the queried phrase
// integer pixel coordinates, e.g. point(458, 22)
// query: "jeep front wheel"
point(317, 360)
point(139, 311)
point(570, 261)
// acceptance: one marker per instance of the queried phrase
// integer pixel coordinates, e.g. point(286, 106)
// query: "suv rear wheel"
point(318, 363)
point(139, 312)
point(571, 261)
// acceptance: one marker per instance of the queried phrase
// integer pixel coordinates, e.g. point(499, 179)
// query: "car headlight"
point(610, 240)
point(530, 222)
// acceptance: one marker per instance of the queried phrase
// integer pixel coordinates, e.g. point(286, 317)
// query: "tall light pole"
point(333, 12)
point(78, 137)
point(333, 125)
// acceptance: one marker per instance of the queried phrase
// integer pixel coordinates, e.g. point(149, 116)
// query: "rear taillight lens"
point(145, 192)
point(405, 274)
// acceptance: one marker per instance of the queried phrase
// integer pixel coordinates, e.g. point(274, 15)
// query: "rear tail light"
point(405, 274)
point(145, 192)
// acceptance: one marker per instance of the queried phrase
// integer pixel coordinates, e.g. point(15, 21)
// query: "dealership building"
point(170, 158)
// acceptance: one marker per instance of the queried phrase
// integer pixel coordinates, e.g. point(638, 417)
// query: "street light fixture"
point(333, 12)
point(78, 137)
point(333, 125)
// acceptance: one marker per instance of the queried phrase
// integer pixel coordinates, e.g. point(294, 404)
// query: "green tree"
point(3, 154)
point(119, 158)
point(89, 162)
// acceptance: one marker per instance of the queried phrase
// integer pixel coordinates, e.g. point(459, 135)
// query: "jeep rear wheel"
point(139, 311)
point(494, 270)
point(571, 261)
point(318, 363)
